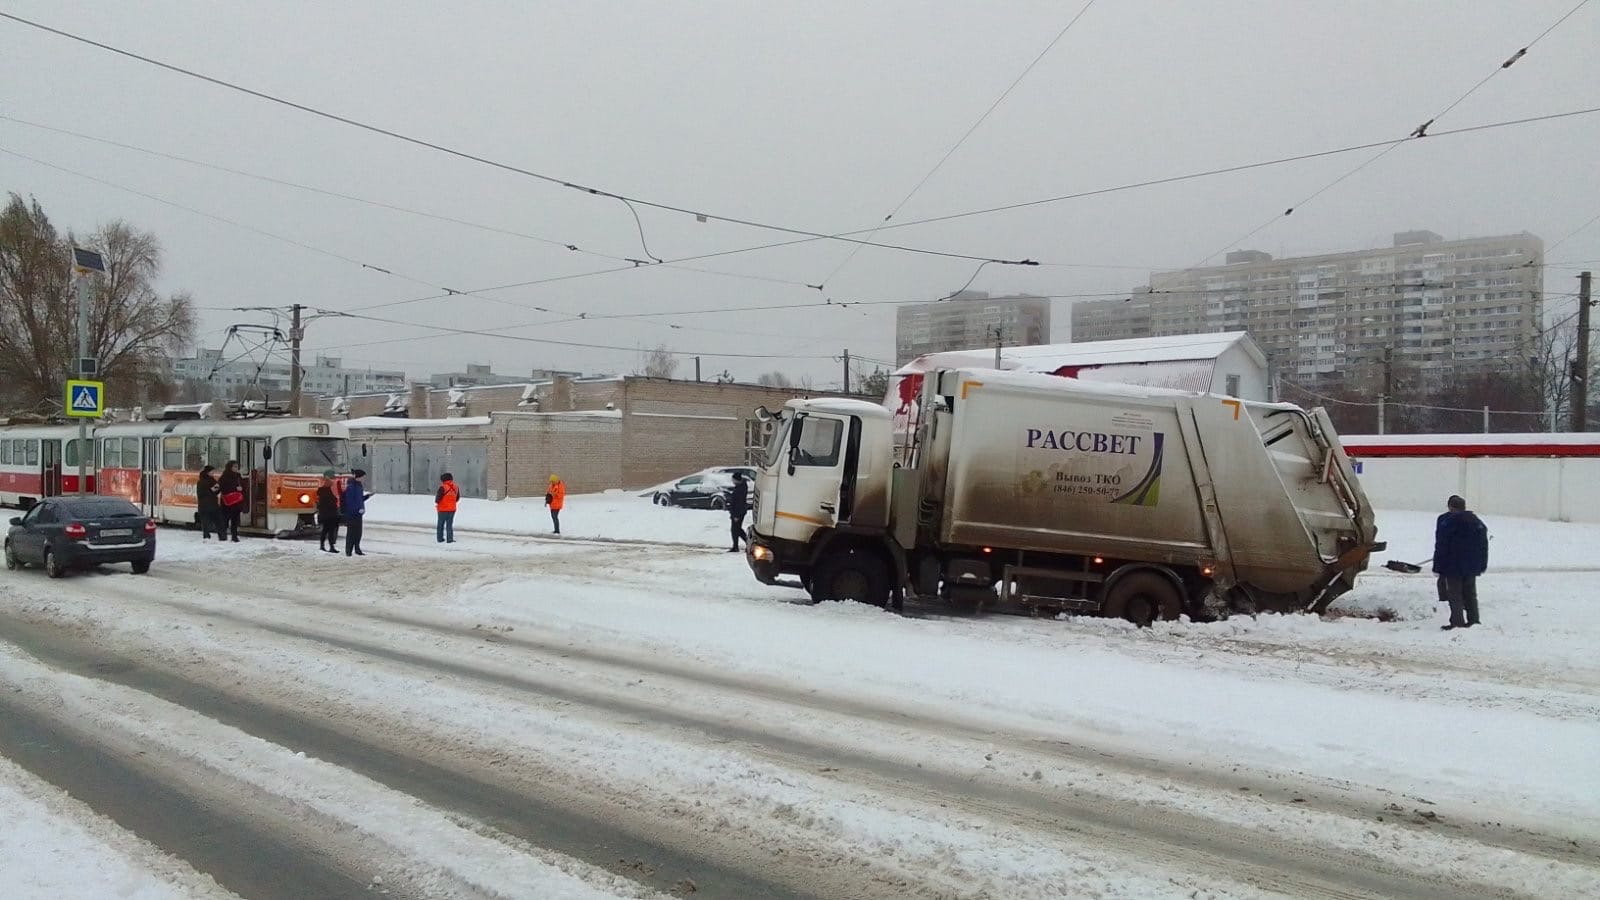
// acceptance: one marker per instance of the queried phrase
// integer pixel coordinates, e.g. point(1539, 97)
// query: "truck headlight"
point(761, 552)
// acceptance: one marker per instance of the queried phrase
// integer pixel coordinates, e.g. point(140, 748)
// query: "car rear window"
point(102, 509)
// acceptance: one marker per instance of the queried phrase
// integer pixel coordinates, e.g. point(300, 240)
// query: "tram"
point(38, 461)
point(156, 466)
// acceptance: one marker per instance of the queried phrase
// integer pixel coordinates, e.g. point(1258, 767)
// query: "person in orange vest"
point(555, 498)
point(444, 500)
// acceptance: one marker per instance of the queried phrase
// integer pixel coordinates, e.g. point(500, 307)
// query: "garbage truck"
point(1047, 494)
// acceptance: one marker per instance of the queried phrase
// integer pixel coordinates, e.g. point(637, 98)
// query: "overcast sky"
point(817, 116)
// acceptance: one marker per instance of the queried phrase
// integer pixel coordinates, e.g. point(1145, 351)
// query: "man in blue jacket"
point(354, 506)
point(1460, 555)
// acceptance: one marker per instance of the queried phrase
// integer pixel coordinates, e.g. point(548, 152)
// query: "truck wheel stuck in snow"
point(1051, 494)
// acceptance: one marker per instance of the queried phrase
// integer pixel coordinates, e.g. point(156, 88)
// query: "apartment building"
point(970, 320)
point(326, 376)
point(1436, 307)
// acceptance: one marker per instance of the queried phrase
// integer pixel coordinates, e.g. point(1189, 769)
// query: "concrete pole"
point(296, 333)
point(1486, 420)
point(83, 354)
point(1580, 365)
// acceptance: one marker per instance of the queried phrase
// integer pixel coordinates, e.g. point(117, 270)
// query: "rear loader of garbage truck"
point(1049, 494)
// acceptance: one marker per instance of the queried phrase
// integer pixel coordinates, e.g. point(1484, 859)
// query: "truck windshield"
point(777, 443)
point(310, 455)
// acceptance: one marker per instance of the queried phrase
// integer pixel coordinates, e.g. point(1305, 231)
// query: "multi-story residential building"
point(327, 376)
point(481, 375)
point(969, 320)
point(1440, 308)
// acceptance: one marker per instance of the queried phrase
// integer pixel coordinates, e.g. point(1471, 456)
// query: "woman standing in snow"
point(328, 512)
point(208, 507)
point(231, 488)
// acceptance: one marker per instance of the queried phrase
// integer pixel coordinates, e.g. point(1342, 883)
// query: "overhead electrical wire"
point(493, 229)
point(1418, 133)
point(927, 176)
point(699, 214)
point(1570, 235)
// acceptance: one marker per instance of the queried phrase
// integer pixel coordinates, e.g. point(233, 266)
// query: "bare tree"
point(658, 363)
point(132, 328)
point(774, 379)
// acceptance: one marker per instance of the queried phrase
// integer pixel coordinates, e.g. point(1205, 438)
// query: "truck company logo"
point(1097, 466)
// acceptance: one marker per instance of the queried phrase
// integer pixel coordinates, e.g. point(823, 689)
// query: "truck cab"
point(824, 478)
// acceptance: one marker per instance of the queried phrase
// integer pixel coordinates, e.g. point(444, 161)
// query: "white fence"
point(1555, 488)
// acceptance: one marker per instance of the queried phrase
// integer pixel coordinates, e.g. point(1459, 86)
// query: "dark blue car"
point(60, 534)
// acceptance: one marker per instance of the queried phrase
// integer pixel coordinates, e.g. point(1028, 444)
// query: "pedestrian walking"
point(354, 507)
point(328, 512)
point(1460, 555)
point(738, 505)
point(444, 502)
point(208, 505)
point(231, 495)
point(556, 498)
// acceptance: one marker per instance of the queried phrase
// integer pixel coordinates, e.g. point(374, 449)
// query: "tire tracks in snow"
point(1182, 840)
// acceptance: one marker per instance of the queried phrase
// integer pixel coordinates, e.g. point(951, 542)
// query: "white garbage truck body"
point(1052, 493)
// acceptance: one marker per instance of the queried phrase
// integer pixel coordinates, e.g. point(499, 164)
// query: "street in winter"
point(833, 451)
point(625, 713)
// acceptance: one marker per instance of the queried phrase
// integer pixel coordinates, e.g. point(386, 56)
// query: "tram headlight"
point(305, 499)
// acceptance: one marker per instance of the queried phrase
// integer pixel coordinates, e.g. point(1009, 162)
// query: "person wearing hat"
point(444, 502)
point(1460, 555)
point(354, 507)
point(208, 506)
point(328, 511)
point(556, 498)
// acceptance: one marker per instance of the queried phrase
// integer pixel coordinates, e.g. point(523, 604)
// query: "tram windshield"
point(310, 455)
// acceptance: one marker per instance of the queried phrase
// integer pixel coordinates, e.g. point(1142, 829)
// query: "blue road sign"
point(86, 399)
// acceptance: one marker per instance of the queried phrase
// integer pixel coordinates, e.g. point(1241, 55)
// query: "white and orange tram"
point(156, 466)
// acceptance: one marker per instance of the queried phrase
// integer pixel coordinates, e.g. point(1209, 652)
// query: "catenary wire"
point(927, 176)
point(1420, 132)
point(492, 229)
point(485, 161)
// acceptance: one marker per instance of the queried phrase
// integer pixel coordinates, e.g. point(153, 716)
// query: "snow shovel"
point(1408, 568)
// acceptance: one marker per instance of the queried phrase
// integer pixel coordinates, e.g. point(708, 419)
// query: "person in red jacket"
point(444, 502)
point(556, 498)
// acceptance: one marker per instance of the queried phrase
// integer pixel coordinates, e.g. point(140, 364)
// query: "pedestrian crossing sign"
point(86, 399)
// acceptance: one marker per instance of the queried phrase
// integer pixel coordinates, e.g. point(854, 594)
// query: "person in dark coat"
point(1460, 555)
point(231, 494)
point(209, 507)
point(328, 512)
point(738, 505)
point(354, 507)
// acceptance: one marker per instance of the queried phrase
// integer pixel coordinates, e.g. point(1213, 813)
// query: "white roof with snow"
point(389, 423)
point(1094, 353)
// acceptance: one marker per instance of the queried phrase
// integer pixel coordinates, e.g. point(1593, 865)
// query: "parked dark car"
point(65, 533)
point(710, 489)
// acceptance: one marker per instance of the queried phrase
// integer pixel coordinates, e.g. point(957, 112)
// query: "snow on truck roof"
point(1093, 353)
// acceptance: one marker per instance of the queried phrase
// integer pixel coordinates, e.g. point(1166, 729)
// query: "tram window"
point(217, 452)
point(70, 460)
point(33, 452)
point(5, 453)
point(130, 453)
point(194, 453)
point(111, 452)
point(172, 453)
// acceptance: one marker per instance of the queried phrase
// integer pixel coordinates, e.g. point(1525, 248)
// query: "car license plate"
point(117, 532)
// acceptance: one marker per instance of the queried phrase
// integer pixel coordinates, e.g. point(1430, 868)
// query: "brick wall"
point(525, 449)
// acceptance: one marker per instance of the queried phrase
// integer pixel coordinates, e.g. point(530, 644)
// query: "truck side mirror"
point(794, 442)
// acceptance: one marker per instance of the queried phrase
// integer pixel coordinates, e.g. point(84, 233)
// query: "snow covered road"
point(518, 718)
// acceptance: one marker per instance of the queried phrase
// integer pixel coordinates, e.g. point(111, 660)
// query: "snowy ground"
point(735, 741)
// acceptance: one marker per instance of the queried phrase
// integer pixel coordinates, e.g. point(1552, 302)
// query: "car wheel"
point(718, 503)
point(663, 500)
point(141, 566)
point(52, 566)
point(11, 558)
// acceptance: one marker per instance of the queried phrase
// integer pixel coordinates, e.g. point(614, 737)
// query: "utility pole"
point(697, 369)
point(1388, 386)
point(84, 262)
point(999, 341)
point(296, 333)
point(847, 371)
point(1580, 365)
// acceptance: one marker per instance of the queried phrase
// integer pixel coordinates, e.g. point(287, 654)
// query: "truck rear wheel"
point(1143, 597)
point(851, 575)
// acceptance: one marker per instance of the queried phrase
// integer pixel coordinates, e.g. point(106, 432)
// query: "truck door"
point(811, 478)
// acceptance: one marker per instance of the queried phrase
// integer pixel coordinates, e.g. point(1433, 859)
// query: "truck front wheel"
point(851, 575)
point(1143, 597)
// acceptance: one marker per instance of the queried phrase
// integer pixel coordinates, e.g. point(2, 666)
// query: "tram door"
point(50, 460)
point(150, 475)
point(253, 465)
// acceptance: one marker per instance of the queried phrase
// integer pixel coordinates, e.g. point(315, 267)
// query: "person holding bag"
point(231, 496)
